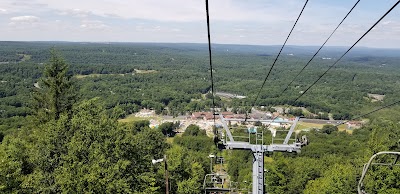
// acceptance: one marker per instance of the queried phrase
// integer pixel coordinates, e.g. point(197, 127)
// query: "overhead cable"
point(210, 59)
point(378, 109)
point(344, 55)
point(330, 67)
point(295, 77)
point(273, 64)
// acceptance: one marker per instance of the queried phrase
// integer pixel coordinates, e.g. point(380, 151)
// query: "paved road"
point(320, 121)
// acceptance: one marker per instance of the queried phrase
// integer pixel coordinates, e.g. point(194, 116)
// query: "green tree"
point(202, 144)
point(102, 157)
point(88, 152)
point(340, 178)
point(278, 175)
point(341, 116)
point(193, 184)
point(14, 163)
point(189, 186)
point(194, 130)
point(168, 129)
point(54, 94)
point(140, 125)
point(328, 129)
point(296, 112)
point(385, 136)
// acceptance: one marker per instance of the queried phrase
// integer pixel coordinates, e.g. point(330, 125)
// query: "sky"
point(254, 22)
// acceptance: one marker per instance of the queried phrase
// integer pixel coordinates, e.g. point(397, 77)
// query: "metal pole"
point(210, 164)
point(211, 156)
point(258, 172)
point(166, 175)
point(360, 188)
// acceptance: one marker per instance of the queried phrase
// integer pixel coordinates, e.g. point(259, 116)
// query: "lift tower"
point(258, 149)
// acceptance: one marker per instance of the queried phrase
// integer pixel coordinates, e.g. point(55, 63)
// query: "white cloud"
point(239, 29)
point(387, 22)
point(171, 10)
point(93, 25)
point(3, 11)
point(144, 28)
point(22, 6)
point(157, 28)
point(76, 13)
point(24, 21)
point(260, 21)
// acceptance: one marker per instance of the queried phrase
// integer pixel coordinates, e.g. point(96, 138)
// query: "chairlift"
point(217, 183)
point(394, 162)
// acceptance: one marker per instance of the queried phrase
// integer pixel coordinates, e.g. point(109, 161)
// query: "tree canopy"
point(78, 145)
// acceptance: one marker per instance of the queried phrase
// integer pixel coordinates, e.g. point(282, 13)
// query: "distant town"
point(205, 120)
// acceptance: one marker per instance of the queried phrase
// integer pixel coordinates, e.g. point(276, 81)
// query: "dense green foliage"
point(53, 95)
point(178, 75)
point(194, 130)
point(79, 147)
point(331, 163)
point(88, 153)
point(168, 128)
point(62, 135)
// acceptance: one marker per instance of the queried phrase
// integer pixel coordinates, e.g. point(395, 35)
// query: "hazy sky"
point(262, 22)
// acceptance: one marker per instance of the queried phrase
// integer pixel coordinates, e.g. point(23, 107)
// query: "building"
point(201, 116)
point(354, 124)
point(209, 116)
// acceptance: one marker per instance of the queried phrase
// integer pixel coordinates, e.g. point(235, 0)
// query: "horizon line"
point(233, 44)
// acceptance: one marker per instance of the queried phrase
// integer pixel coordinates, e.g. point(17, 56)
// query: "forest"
point(61, 101)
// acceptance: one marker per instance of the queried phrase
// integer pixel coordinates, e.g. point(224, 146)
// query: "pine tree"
point(54, 95)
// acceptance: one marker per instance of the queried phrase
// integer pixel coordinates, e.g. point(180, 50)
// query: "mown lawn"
point(303, 126)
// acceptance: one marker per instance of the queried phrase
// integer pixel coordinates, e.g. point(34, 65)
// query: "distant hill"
point(328, 51)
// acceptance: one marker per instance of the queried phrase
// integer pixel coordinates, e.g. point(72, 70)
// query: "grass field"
point(25, 57)
point(98, 75)
point(145, 71)
point(303, 126)
point(268, 159)
point(170, 140)
point(132, 118)
point(95, 75)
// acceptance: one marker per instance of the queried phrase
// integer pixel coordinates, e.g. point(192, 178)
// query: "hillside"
point(78, 145)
